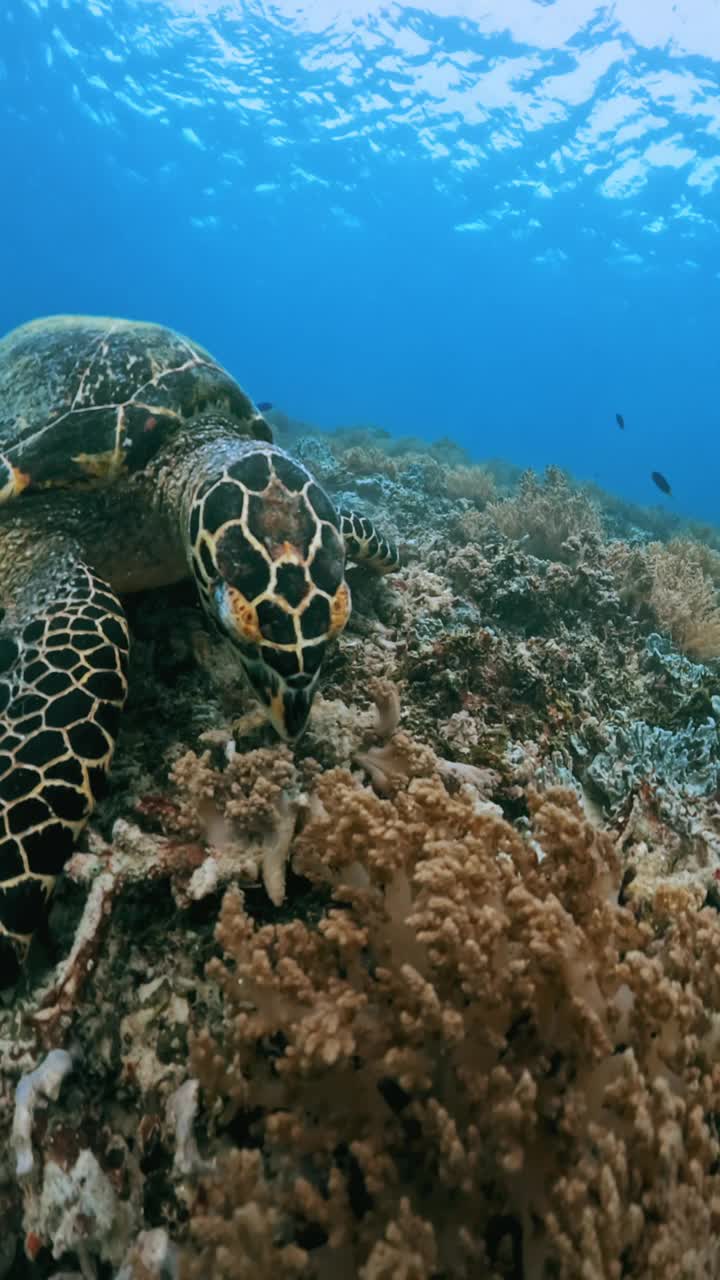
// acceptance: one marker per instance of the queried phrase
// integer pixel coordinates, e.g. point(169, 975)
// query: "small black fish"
point(264, 406)
point(620, 421)
point(658, 478)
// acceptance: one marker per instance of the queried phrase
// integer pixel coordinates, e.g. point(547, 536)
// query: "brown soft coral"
point(478, 1062)
point(234, 1230)
point(245, 811)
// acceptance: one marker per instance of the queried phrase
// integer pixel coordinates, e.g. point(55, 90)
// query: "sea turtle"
point(129, 458)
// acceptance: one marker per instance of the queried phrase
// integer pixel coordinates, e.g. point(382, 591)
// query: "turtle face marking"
point(269, 560)
point(238, 615)
point(12, 480)
point(339, 609)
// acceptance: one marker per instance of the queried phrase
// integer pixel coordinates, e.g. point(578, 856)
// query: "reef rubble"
point(435, 994)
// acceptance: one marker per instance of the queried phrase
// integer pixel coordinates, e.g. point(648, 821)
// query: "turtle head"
point(269, 560)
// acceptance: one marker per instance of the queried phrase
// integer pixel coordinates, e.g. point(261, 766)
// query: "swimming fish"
point(620, 421)
point(264, 406)
point(660, 481)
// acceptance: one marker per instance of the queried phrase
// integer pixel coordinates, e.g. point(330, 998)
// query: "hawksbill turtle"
point(129, 458)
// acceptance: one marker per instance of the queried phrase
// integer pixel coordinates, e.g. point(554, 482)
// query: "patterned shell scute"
point(85, 399)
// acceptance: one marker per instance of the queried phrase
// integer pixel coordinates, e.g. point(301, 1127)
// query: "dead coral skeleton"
point(69, 1203)
point(43, 1083)
point(133, 857)
point(151, 1257)
point(79, 1212)
point(181, 1113)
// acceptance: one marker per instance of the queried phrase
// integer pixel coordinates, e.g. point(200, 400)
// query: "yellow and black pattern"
point(269, 560)
point(63, 682)
point(362, 542)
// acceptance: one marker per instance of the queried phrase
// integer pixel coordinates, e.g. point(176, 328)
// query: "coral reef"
point(433, 993)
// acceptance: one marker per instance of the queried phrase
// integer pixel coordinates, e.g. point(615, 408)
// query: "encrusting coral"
point(477, 1062)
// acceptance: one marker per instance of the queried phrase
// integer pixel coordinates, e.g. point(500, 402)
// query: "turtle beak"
point(289, 710)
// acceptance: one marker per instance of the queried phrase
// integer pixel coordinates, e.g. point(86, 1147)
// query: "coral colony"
point(433, 993)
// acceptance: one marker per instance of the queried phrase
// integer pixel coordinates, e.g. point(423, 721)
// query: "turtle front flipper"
point(63, 681)
point(362, 542)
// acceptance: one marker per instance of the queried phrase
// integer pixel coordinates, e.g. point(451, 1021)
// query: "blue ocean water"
point(493, 219)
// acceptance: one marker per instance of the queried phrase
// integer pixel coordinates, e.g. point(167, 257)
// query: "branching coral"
point(477, 1063)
